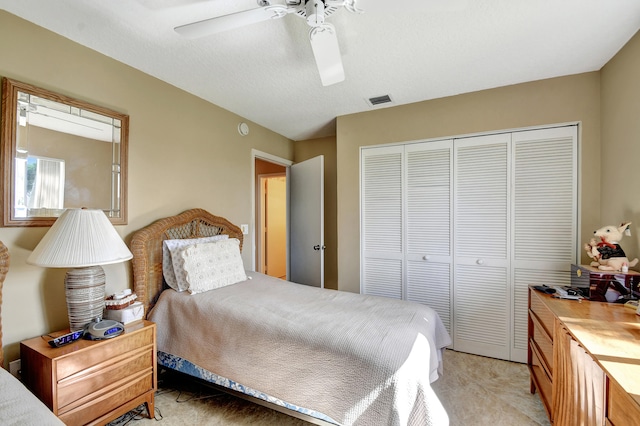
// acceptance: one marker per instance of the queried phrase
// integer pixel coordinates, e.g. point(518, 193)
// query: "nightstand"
point(93, 382)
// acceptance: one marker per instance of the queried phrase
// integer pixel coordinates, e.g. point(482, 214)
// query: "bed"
point(327, 356)
point(18, 406)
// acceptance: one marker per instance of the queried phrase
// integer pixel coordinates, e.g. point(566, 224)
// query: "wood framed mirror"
point(58, 153)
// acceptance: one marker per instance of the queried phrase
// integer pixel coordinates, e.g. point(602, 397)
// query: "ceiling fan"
point(323, 38)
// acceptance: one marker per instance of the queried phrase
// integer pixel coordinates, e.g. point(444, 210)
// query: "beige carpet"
point(485, 391)
point(474, 390)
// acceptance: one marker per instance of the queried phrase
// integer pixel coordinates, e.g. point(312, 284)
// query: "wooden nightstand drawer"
point(84, 410)
point(101, 352)
point(99, 377)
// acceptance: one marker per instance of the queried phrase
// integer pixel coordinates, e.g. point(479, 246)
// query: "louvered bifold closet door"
point(482, 312)
point(381, 221)
point(429, 180)
point(544, 217)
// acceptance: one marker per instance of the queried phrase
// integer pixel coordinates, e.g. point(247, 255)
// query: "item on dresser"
point(605, 248)
point(65, 339)
point(133, 312)
point(545, 289)
point(104, 329)
point(82, 240)
point(120, 300)
point(599, 283)
point(330, 356)
point(562, 292)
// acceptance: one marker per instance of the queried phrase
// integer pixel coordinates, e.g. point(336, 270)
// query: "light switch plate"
point(245, 229)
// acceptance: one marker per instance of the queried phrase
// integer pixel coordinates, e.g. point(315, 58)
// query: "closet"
point(466, 224)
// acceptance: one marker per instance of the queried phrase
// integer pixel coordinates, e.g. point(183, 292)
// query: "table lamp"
point(82, 239)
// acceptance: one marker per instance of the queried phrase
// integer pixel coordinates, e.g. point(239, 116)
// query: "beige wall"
point(621, 143)
point(305, 150)
point(558, 100)
point(184, 153)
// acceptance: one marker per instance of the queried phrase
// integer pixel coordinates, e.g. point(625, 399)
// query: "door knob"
point(316, 247)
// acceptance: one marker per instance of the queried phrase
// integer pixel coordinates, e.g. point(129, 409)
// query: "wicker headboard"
point(4, 268)
point(146, 246)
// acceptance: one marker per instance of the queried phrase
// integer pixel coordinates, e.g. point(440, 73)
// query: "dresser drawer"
point(542, 313)
point(622, 410)
point(102, 352)
point(542, 381)
point(85, 410)
point(99, 377)
point(543, 343)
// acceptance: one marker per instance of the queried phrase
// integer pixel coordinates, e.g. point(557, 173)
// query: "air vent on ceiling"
point(379, 100)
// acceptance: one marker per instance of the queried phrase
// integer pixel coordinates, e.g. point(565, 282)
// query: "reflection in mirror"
point(62, 153)
point(39, 186)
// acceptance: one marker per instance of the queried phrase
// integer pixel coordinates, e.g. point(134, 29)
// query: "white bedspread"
point(18, 406)
point(359, 359)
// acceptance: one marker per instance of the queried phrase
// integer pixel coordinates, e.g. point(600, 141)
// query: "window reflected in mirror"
point(39, 186)
point(63, 153)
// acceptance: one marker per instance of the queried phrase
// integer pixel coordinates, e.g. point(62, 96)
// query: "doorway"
point(271, 218)
point(301, 238)
point(273, 225)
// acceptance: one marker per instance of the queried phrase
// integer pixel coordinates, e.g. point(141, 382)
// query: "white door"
point(544, 202)
point(406, 216)
point(381, 222)
point(482, 308)
point(428, 230)
point(306, 222)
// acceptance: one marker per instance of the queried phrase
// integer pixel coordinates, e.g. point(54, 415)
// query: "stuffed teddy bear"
point(607, 254)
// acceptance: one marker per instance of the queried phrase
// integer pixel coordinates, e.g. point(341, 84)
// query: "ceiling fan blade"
point(324, 43)
point(232, 21)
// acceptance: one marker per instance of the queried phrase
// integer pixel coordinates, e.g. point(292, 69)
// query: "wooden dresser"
point(94, 382)
point(584, 359)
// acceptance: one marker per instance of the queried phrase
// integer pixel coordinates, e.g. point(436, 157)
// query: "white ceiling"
point(412, 50)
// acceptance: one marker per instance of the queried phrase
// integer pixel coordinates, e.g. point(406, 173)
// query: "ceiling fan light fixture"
point(315, 13)
point(326, 51)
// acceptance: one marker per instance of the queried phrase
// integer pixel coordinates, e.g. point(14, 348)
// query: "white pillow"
point(172, 262)
point(213, 265)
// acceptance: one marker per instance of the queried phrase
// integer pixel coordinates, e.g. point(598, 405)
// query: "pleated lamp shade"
point(81, 239)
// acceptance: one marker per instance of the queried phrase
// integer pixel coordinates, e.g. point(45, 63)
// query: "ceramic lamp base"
point(84, 288)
